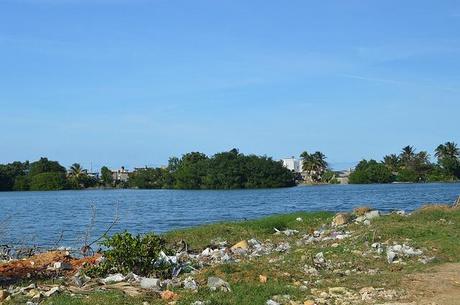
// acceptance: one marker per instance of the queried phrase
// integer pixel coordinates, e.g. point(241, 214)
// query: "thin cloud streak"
point(397, 82)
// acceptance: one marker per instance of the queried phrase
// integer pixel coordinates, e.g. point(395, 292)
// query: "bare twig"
point(86, 249)
point(116, 219)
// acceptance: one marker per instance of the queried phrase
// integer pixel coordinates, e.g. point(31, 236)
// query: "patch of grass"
point(98, 298)
point(232, 232)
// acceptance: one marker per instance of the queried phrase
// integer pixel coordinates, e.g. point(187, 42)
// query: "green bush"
point(48, 182)
point(128, 253)
point(371, 172)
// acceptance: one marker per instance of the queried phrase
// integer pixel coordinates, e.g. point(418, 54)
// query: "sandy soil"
point(437, 286)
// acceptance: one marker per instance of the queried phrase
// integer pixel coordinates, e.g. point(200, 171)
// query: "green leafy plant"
point(139, 254)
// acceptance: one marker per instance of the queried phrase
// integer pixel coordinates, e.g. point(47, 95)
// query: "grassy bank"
point(352, 262)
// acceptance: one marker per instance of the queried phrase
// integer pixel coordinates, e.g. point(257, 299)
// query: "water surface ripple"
point(40, 217)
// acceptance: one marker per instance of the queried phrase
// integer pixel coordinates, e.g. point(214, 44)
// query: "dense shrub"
point(371, 172)
point(128, 253)
point(48, 182)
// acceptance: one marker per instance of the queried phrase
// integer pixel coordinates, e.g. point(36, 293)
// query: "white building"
point(121, 174)
point(292, 164)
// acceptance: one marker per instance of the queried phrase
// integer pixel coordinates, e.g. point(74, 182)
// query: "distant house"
point(120, 175)
point(94, 175)
point(292, 164)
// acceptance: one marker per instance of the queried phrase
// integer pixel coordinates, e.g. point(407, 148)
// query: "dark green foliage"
point(133, 253)
point(48, 181)
point(21, 183)
point(151, 178)
point(226, 170)
point(410, 166)
point(106, 176)
point(9, 173)
point(45, 166)
point(191, 172)
point(264, 172)
point(371, 172)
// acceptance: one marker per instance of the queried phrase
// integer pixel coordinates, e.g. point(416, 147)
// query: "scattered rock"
point(372, 214)
point(263, 278)
point(271, 302)
point(190, 284)
point(215, 283)
point(51, 292)
point(283, 247)
point(340, 219)
point(3, 294)
point(150, 283)
point(168, 295)
point(299, 219)
point(391, 256)
point(319, 260)
point(113, 278)
point(360, 211)
point(62, 266)
point(240, 245)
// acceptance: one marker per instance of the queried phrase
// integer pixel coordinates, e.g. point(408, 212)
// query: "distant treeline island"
point(234, 170)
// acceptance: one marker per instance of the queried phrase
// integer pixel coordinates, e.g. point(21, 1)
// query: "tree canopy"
point(411, 166)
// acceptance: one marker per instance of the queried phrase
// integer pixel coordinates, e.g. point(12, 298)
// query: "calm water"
point(40, 217)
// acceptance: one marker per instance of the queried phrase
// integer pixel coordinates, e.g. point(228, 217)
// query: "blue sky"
point(132, 82)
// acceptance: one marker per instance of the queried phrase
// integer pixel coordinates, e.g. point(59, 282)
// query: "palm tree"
point(314, 164)
point(407, 154)
point(76, 171)
point(77, 174)
point(447, 150)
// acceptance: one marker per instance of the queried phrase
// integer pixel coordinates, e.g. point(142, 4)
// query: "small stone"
point(391, 256)
point(215, 283)
point(150, 283)
point(299, 219)
point(319, 259)
point(271, 302)
point(3, 294)
point(240, 245)
point(309, 302)
point(51, 292)
point(340, 219)
point(189, 283)
point(168, 295)
point(263, 278)
point(113, 278)
point(62, 266)
point(372, 214)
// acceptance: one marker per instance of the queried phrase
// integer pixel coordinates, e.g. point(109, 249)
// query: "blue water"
point(40, 217)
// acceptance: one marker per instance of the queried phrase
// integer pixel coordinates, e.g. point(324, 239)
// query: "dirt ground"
point(437, 286)
point(37, 265)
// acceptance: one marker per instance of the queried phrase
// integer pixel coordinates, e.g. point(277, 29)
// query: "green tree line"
point(225, 170)
point(411, 166)
point(43, 175)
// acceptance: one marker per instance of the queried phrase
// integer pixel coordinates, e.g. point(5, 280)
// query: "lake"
point(40, 218)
